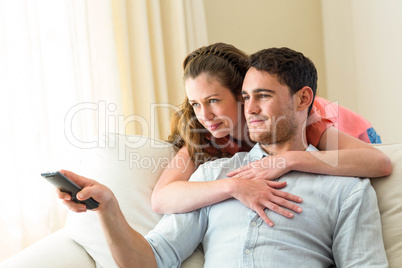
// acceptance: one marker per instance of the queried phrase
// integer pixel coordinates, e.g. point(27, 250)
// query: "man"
point(340, 224)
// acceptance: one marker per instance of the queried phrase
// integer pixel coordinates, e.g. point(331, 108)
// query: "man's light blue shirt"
point(340, 225)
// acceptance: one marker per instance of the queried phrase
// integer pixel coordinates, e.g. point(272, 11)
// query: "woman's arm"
point(344, 155)
point(175, 194)
point(341, 154)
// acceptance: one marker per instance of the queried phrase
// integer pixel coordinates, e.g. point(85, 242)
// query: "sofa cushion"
point(56, 250)
point(130, 167)
point(389, 195)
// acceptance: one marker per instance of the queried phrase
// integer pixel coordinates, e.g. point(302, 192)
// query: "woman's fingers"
point(276, 184)
point(287, 196)
point(278, 209)
point(264, 217)
point(238, 171)
point(280, 202)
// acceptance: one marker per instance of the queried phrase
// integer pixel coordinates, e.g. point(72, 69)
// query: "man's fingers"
point(87, 193)
point(63, 195)
point(76, 207)
point(77, 179)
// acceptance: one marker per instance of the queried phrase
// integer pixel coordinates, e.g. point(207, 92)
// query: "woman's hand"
point(267, 168)
point(260, 194)
point(90, 188)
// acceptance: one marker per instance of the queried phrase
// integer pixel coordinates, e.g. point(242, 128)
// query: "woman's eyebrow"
point(212, 95)
point(207, 97)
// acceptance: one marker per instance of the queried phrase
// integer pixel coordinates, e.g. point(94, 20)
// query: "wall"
point(356, 46)
point(252, 25)
point(363, 57)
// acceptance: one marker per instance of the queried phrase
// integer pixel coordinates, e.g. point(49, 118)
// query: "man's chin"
point(260, 137)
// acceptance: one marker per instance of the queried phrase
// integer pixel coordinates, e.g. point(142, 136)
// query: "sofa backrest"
point(389, 195)
point(131, 165)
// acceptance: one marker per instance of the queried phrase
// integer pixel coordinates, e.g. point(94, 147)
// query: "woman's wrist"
point(232, 186)
point(292, 160)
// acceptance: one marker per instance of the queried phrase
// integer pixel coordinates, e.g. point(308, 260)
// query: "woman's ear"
point(304, 98)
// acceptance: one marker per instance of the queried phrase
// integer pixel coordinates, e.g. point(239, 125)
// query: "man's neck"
point(295, 144)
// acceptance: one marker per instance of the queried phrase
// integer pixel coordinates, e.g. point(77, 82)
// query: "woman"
point(211, 125)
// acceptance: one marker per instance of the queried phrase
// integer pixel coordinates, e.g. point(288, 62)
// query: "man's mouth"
point(256, 121)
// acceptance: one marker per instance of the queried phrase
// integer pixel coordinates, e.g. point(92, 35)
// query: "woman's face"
point(214, 105)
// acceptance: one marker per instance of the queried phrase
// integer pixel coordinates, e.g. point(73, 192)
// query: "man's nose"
point(252, 106)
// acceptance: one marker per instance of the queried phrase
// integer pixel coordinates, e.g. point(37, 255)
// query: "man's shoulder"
point(332, 181)
point(238, 158)
point(216, 169)
point(340, 185)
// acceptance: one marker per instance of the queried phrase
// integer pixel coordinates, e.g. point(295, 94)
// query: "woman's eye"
point(213, 100)
point(195, 105)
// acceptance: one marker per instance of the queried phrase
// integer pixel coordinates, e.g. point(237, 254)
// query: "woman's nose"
point(206, 113)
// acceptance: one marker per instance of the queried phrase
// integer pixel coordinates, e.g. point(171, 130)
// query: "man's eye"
point(264, 96)
point(245, 98)
point(213, 100)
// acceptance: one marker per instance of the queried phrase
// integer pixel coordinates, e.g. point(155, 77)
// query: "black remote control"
point(66, 185)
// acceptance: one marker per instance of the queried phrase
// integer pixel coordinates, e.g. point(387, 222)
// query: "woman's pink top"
point(325, 114)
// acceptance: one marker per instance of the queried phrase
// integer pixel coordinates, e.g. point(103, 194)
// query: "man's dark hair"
point(292, 68)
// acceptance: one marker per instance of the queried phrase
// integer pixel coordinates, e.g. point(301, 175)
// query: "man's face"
point(269, 108)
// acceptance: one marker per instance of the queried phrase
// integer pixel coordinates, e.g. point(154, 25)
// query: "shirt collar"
point(257, 152)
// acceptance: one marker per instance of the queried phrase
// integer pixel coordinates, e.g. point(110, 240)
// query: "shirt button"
point(248, 251)
point(254, 224)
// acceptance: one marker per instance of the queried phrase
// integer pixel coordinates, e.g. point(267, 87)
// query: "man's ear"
point(304, 98)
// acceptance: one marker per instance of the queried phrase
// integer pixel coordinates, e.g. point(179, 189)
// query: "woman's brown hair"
point(228, 65)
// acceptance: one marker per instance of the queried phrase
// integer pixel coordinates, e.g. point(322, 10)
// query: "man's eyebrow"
point(207, 97)
point(259, 90)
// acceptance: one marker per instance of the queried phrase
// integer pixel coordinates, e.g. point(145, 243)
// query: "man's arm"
point(128, 247)
point(172, 241)
point(358, 238)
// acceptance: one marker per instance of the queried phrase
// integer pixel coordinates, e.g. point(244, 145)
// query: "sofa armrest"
point(55, 250)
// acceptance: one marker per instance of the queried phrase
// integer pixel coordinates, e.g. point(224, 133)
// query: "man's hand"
point(90, 188)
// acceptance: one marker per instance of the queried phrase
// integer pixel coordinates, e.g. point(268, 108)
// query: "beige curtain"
point(152, 38)
point(71, 70)
point(58, 66)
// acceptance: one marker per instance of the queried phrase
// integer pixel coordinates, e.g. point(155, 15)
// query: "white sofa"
point(130, 166)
